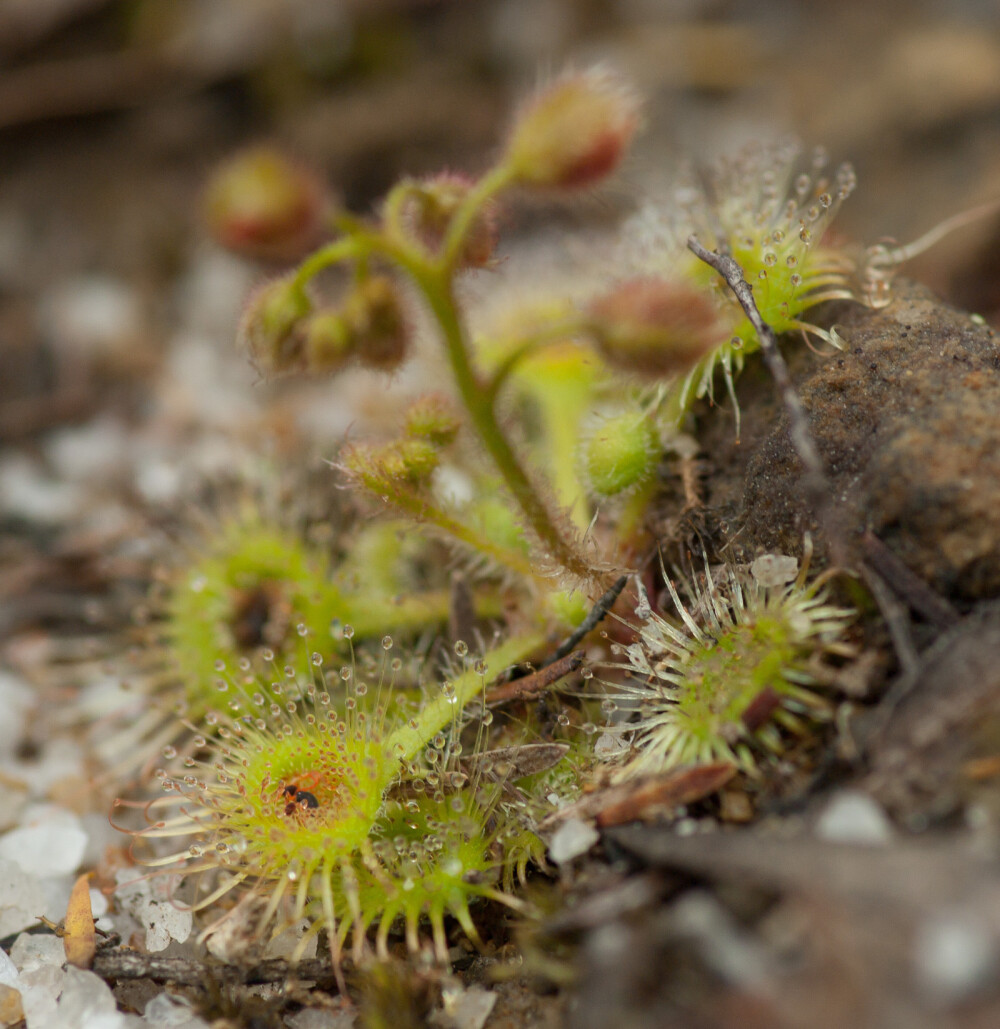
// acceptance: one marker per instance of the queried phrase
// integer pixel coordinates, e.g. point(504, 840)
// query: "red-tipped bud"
point(428, 211)
point(270, 329)
point(433, 418)
point(380, 333)
point(260, 204)
point(574, 132)
point(654, 327)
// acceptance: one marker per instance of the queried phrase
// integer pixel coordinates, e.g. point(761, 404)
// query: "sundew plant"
point(341, 804)
point(322, 794)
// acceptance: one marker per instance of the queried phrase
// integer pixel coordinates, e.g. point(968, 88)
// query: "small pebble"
point(465, 1008)
point(572, 839)
point(49, 842)
point(166, 1012)
point(93, 315)
point(22, 899)
point(853, 817)
point(149, 901)
point(774, 569)
point(956, 956)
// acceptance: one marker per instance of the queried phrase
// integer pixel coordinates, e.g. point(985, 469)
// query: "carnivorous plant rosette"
point(736, 675)
point(338, 806)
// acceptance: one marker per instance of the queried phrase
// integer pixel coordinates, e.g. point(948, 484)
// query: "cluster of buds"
point(283, 331)
point(430, 424)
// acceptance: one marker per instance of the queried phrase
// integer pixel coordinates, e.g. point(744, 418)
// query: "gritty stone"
point(956, 956)
point(572, 839)
point(851, 816)
point(907, 421)
point(921, 759)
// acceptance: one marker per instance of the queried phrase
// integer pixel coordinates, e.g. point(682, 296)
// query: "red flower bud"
point(260, 204)
point(380, 333)
point(655, 327)
point(573, 133)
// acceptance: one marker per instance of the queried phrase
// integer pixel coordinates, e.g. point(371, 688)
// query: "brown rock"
point(907, 420)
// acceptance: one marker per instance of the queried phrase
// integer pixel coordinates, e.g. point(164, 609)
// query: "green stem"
point(392, 207)
point(437, 291)
point(635, 508)
point(554, 333)
point(435, 282)
point(492, 183)
point(408, 740)
point(333, 253)
point(561, 418)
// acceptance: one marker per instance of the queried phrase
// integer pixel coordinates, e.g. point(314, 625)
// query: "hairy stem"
point(437, 290)
point(485, 189)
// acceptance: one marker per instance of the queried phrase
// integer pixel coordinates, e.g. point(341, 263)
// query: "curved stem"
point(492, 183)
point(436, 288)
point(435, 282)
point(333, 253)
point(553, 333)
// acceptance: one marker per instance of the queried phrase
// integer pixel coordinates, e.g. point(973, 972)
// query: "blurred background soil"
point(119, 382)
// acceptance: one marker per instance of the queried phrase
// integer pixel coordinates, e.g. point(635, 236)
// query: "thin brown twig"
point(535, 683)
point(114, 965)
point(815, 481)
point(604, 604)
point(819, 492)
point(906, 584)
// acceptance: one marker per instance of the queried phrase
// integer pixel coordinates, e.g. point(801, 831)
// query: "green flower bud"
point(271, 323)
point(433, 418)
point(619, 453)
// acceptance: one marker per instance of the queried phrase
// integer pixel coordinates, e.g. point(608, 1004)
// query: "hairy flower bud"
point(428, 211)
point(620, 452)
point(326, 341)
point(377, 322)
point(261, 204)
point(384, 468)
point(653, 326)
point(433, 418)
point(574, 132)
point(270, 326)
